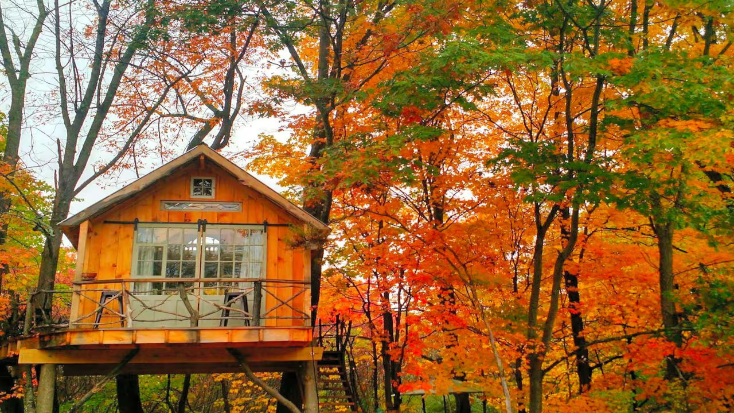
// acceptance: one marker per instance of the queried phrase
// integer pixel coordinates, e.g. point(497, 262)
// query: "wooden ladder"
point(335, 391)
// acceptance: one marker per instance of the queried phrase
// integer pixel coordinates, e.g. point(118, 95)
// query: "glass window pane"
point(158, 253)
point(157, 268)
point(227, 253)
point(211, 253)
point(240, 236)
point(212, 236)
point(210, 269)
point(240, 253)
point(227, 236)
point(256, 237)
point(174, 253)
point(256, 254)
point(160, 235)
point(173, 270)
point(145, 253)
point(191, 236)
point(188, 269)
point(254, 270)
point(145, 268)
point(227, 269)
point(175, 236)
point(189, 252)
point(240, 271)
point(145, 235)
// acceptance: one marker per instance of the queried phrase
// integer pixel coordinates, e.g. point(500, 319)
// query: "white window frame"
point(214, 188)
point(199, 270)
point(134, 266)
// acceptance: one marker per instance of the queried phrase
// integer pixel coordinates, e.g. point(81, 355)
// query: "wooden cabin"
point(193, 259)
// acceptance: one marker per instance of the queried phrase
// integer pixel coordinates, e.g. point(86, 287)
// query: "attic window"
point(202, 187)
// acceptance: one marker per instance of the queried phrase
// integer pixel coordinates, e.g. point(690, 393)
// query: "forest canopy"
point(530, 202)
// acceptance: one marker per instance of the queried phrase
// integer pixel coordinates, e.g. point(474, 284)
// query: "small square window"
point(202, 187)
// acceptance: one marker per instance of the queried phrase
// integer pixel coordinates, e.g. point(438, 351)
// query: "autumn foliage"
point(530, 202)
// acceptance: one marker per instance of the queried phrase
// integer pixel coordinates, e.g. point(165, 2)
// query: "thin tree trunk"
point(571, 282)
point(225, 396)
point(128, 393)
point(289, 388)
point(463, 403)
point(583, 367)
point(184, 394)
point(664, 232)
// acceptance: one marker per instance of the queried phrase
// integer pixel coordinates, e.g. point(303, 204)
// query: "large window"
point(183, 251)
point(231, 252)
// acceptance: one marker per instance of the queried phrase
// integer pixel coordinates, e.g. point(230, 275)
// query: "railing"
point(194, 302)
point(334, 336)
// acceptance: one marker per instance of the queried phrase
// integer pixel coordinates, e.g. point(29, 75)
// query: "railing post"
point(321, 335)
point(256, 302)
point(126, 303)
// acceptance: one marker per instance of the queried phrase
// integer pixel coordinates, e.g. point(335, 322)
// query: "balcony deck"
point(273, 333)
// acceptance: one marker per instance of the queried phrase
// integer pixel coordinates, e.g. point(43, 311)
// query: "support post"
point(310, 390)
point(46, 389)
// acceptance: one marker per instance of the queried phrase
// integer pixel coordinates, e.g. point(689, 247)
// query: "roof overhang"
point(70, 226)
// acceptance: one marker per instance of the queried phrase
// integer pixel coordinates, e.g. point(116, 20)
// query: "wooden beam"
point(170, 355)
point(215, 336)
point(192, 368)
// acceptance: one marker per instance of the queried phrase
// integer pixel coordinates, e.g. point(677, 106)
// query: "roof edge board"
point(169, 168)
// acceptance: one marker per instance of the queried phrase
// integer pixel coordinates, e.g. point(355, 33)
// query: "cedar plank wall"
point(110, 246)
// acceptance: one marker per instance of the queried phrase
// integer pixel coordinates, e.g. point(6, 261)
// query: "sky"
point(44, 127)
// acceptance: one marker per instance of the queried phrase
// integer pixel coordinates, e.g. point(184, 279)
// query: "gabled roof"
point(71, 224)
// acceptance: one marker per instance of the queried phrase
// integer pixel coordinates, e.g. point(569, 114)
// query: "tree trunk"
point(184, 394)
point(571, 282)
point(128, 393)
point(310, 391)
point(664, 232)
point(535, 371)
point(46, 389)
point(225, 397)
point(43, 300)
point(289, 388)
point(388, 366)
point(463, 403)
point(583, 368)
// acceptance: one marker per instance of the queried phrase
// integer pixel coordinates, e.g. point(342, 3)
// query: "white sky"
point(43, 124)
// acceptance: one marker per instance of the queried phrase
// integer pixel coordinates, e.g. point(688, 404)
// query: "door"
point(201, 264)
point(231, 253)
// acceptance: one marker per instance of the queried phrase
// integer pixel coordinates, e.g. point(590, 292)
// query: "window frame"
point(200, 260)
point(214, 188)
point(134, 265)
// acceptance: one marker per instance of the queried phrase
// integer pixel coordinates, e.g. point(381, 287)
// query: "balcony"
point(190, 322)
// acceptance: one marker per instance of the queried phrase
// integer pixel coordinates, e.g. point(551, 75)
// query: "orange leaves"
point(621, 67)
point(690, 125)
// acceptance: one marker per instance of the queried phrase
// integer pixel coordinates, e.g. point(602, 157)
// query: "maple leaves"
point(531, 198)
point(575, 123)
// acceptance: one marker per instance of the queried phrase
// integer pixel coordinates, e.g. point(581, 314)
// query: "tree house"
point(191, 261)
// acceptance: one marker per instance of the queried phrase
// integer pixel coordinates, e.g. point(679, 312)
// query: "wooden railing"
point(191, 302)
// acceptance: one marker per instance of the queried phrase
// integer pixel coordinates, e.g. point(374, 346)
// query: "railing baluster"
point(256, 303)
